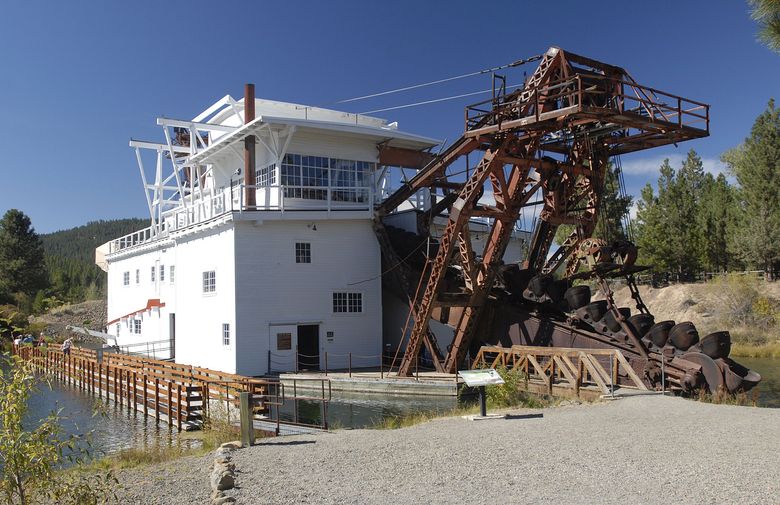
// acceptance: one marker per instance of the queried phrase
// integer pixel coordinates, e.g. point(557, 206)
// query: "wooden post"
point(178, 406)
point(350, 364)
point(157, 398)
point(247, 425)
point(116, 397)
point(120, 384)
point(146, 396)
point(170, 400)
point(187, 402)
point(552, 377)
point(135, 392)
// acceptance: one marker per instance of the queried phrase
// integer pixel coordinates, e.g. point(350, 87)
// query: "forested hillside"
point(70, 257)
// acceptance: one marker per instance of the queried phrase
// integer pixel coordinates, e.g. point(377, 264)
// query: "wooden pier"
point(179, 395)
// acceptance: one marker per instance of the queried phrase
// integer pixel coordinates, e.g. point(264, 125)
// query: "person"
point(66, 346)
point(41, 340)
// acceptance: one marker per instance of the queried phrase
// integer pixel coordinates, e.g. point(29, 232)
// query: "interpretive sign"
point(484, 377)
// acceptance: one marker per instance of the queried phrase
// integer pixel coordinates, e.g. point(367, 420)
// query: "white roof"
point(378, 134)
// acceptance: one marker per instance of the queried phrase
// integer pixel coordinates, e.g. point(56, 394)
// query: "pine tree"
point(767, 13)
point(22, 269)
point(667, 231)
point(756, 166)
point(716, 217)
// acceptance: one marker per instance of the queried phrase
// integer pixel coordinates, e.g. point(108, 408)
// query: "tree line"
point(40, 271)
point(693, 221)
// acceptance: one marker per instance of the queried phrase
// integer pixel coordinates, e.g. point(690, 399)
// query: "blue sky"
point(78, 79)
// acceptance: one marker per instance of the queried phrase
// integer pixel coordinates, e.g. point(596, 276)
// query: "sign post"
point(479, 379)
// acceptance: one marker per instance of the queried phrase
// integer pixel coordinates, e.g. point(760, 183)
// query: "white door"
point(282, 341)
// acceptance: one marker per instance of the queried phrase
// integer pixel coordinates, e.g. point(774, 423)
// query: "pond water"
point(356, 410)
point(769, 387)
point(110, 427)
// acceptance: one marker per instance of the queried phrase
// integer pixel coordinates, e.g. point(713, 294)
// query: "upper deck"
point(310, 162)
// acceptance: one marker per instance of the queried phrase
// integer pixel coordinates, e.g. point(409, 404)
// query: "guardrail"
point(557, 368)
point(180, 394)
point(591, 92)
point(213, 204)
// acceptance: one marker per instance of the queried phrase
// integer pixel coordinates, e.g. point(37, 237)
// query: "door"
point(309, 347)
point(172, 334)
point(282, 341)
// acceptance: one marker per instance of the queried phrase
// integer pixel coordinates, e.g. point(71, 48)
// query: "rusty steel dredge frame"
point(555, 135)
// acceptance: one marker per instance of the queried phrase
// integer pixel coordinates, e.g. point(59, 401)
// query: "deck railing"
point(200, 209)
point(592, 92)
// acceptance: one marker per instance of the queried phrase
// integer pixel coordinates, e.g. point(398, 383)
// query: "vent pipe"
point(249, 148)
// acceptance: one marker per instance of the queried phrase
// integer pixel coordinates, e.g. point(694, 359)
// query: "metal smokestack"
point(249, 147)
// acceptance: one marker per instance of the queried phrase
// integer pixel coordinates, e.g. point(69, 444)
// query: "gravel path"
point(643, 449)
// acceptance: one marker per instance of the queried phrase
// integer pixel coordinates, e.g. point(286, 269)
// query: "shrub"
point(30, 457)
point(511, 393)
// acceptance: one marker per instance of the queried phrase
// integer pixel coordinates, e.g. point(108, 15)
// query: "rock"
point(224, 499)
point(217, 494)
point(231, 446)
point(221, 480)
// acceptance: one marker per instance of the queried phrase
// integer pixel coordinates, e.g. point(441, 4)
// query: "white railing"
point(201, 208)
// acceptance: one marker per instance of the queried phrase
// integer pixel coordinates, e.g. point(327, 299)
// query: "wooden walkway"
point(178, 394)
point(562, 371)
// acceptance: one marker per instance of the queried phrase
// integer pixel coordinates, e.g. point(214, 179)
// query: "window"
point(266, 176)
point(347, 303)
point(118, 325)
point(162, 273)
point(302, 252)
point(137, 326)
point(172, 273)
point(283, 341)
point(137, 276)
point(126, 279)
point(152, 274)
point(225, 334)
point(303, 177)
point(209, 281)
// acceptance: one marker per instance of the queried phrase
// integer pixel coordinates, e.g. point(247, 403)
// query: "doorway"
point(309, 347)
point(172, 334)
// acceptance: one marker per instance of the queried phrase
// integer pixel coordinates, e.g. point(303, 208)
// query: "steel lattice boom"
point(553, 137)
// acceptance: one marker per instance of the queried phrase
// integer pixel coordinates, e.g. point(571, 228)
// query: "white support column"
point(175, 167)
point(143, 179)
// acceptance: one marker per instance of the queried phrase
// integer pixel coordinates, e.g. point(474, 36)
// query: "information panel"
point(484, 377)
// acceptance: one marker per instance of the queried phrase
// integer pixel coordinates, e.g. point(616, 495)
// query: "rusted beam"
point(402, 157)
point(249, 148)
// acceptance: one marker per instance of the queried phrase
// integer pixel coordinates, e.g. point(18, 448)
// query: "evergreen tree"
point(756, 166)
point(22, 269)
point(716, 217)
point(667, 231)
point(767, 13)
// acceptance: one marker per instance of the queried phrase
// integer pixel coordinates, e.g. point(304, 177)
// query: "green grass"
point(768, 350)
point(215, 432)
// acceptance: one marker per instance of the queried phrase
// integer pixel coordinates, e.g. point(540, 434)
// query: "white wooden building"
point(221, 281)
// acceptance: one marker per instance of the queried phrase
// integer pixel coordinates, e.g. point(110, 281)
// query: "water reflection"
point(112, 427)
point(769, 387)
point(356, 410)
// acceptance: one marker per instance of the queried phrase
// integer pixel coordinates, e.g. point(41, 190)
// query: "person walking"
point(66, 346)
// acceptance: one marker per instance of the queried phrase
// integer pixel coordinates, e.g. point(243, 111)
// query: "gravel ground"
point(643, 449)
